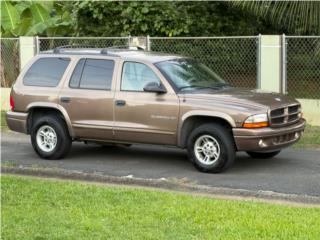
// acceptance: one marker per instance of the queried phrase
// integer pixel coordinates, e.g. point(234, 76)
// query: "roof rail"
point(58, 49)
point(106, 51)
point(121, 47)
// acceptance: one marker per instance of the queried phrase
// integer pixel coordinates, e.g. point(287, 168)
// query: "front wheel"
point(263, 155)
point(211, 148)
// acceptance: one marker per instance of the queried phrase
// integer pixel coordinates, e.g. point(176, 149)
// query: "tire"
point(222, 145)
point(263, 155)
point(50, 125)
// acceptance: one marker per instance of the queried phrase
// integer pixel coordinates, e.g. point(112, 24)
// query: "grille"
point(285, 115)
point(284, 138)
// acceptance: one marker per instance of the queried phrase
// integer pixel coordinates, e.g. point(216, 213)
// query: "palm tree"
point(298, 17)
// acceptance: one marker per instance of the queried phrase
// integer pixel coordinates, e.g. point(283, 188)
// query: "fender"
point(56, 106)
point(202, 113)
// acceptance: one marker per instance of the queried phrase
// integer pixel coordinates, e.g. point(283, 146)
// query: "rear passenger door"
point(88, 98)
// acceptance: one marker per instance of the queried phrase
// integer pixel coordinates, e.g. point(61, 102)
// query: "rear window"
point(46, 72)
point(92, 74)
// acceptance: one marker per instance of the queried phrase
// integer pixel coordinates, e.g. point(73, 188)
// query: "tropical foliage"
point(295, 17)
point(162, 19)
point(156, 18)
point(26, 18)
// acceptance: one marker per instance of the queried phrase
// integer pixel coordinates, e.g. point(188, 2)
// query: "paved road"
point(293, 171)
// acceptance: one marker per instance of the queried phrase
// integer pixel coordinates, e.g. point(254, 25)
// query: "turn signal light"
point(256, 125)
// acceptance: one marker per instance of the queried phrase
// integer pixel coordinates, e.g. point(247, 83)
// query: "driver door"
point(140, 116)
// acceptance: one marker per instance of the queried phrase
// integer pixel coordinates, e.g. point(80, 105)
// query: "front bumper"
point(17, 121)
point(268, 139)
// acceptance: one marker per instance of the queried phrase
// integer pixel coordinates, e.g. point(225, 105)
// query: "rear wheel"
point(263, 155)
point(50, 138)
point(211, 148)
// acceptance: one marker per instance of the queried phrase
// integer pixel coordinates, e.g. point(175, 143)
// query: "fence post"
point(259, 61)
point(37, 44)
point(284, 64)
point(129, 40)
point(148, 43)
point(271, 63)
point(27, 49)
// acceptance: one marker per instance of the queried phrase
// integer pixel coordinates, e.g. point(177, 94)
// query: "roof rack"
point(64, 47)
point(111, 51)
point(121, 47)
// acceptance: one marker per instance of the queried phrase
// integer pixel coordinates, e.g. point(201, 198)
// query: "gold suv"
point(128, 96)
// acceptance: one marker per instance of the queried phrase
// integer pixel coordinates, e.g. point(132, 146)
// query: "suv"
point(124, 96)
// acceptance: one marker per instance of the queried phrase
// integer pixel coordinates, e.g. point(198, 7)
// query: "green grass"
point(50, 209)
point(310, 138)
point(3, 121)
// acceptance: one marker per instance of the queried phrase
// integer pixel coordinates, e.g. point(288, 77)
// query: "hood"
point(245, 97)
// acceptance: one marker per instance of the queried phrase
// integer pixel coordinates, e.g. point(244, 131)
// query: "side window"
point(46, 72)
point(92, 74)
point(135, 76)
point(76, 75)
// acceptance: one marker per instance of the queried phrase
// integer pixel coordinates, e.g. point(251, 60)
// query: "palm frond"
point(298, 17)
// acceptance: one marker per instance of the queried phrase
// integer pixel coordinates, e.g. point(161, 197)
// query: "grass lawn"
point(310, 138)
point(50, 209)
point(3, 121)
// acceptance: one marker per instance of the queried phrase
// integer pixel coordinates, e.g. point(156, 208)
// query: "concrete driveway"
point(291, 172)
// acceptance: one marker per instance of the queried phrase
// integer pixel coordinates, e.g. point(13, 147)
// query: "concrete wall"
point(5, 99)
point(27, 49)
point(270, 59)
point(311, 110)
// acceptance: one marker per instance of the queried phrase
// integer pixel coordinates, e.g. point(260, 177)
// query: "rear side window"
point(76, 75)
point(92, 74)
point(46, 72)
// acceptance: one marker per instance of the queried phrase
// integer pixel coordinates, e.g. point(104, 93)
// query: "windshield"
point(188, 74)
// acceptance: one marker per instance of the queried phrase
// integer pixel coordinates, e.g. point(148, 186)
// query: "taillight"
point(11, 103)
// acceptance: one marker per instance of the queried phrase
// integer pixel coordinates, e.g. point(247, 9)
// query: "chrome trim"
point(285, 115)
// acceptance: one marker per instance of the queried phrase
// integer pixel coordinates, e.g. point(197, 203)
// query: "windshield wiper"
point(219, 85)
point(190, 86)
point(216, 86)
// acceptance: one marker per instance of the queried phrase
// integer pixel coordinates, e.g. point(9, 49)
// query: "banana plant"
point(9, 17)
point(28, 18)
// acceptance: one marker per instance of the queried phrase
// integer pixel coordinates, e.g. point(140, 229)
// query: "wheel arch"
point(38, 109)
point(191, 121)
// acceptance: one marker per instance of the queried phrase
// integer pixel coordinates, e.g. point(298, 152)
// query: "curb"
point(217, 192)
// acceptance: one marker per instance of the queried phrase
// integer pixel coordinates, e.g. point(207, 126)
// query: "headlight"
point(256, 121)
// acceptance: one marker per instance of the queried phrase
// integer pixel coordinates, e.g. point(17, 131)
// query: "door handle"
point(120, 103)
point(65, 99)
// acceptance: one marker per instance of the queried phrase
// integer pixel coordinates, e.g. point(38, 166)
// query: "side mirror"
point(154, 87)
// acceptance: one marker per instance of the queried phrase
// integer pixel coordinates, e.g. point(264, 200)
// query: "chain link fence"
point(303, 67)
point(10, 61)
point(89, 42)
point(233, 58)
